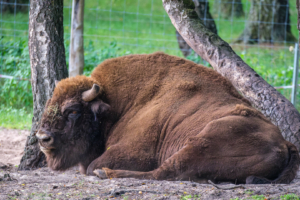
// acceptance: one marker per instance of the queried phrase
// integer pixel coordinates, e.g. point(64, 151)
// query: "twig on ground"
point(226, 188)
point(116, 192)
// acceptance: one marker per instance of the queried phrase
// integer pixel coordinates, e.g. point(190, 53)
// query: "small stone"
point(194, 185)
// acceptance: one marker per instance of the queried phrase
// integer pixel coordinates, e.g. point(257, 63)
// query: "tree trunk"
point(225, 61)
point(202, 10)
point(76, 60)
point(268, 22)
point(229, 8)
point(47, 60)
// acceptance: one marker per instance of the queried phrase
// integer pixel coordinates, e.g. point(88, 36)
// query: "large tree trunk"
point(229, 8)
point(202, 10)
point(225, 61)
point(268, 22)
point(47, 60)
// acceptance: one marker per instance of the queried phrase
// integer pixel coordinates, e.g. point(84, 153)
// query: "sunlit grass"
point(12, 118)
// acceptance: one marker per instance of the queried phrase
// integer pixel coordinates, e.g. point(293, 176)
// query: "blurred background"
point(262, 32)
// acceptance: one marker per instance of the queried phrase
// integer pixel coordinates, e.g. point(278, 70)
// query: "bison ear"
point(100, 108)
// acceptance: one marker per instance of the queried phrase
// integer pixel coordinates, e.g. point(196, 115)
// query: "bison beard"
point(162, 117)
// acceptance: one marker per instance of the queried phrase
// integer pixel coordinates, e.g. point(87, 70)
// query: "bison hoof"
point(100, 173)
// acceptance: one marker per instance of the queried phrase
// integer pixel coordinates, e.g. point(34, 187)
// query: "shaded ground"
point(46, 184)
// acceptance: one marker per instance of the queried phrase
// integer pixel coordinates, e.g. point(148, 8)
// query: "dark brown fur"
point(163, 117)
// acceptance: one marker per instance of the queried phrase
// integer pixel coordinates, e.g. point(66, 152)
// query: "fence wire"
point(120, 27)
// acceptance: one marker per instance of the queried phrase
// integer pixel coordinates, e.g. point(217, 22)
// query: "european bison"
point(162, 117)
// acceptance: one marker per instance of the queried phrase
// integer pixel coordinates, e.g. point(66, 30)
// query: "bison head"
point(73, 124)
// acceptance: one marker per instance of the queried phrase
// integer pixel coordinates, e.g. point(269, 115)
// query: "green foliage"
point(15, 62)
point(258, 197)
point(15, 118)
point(290, 197)
point(190, 197)
point(93, 56)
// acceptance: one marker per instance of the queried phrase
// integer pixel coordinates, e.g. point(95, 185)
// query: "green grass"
point(144, 27)
point(289, 197)
point(13, 118)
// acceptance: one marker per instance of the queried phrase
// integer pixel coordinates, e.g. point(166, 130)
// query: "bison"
point(162, 117)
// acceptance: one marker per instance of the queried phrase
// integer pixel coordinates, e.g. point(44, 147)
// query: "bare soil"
point(47, 184)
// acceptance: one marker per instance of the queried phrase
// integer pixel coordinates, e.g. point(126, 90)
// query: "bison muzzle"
point(162, 117)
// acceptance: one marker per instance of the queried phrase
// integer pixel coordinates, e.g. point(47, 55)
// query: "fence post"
point(295, 74)
point(76, 57)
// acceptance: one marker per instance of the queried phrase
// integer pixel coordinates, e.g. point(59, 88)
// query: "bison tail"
point(287, 175)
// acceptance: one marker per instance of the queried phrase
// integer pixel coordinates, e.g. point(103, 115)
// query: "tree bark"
point(229, 8)
point(202, 10)
point(225, 61)
point(47, 61)
point(76, 60)
point(268, 22)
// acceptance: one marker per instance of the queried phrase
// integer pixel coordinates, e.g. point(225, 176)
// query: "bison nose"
point(44, 137)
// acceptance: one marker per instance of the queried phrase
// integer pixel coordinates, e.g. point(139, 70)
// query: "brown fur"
point(164, 117)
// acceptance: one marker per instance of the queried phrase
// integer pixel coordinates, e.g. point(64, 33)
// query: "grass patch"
point(290, 197)
point(13, 118)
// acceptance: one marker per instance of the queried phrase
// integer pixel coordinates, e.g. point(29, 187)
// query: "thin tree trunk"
point(268, 22)
point(76, 60)
point(225, 61)
point(47, 60)
point(229, 8)
point(202, 10)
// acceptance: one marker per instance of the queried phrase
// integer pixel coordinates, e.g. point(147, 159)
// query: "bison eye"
point(74, 114)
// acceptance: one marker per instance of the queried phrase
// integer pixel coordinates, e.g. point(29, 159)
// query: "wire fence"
point(262, 37)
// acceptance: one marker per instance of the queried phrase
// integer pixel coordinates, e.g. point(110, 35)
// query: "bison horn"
point(91, 94)
point(56, 82)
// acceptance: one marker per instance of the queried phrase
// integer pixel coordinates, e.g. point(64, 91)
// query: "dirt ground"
point(46, 184)
point(12, 143)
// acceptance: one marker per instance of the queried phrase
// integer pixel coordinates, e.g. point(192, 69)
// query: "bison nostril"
point(46, 139)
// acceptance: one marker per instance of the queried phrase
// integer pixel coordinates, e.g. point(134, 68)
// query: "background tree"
point(202, 10)
point(47, 60)
point(268, 22)
point(229, 8)
point(225, 61)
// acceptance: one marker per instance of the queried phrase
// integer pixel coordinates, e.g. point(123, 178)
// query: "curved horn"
point(91, 94)
point(56, 82)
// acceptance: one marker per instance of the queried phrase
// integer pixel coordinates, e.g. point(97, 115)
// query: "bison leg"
point(177, 167)
point(120, 157)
